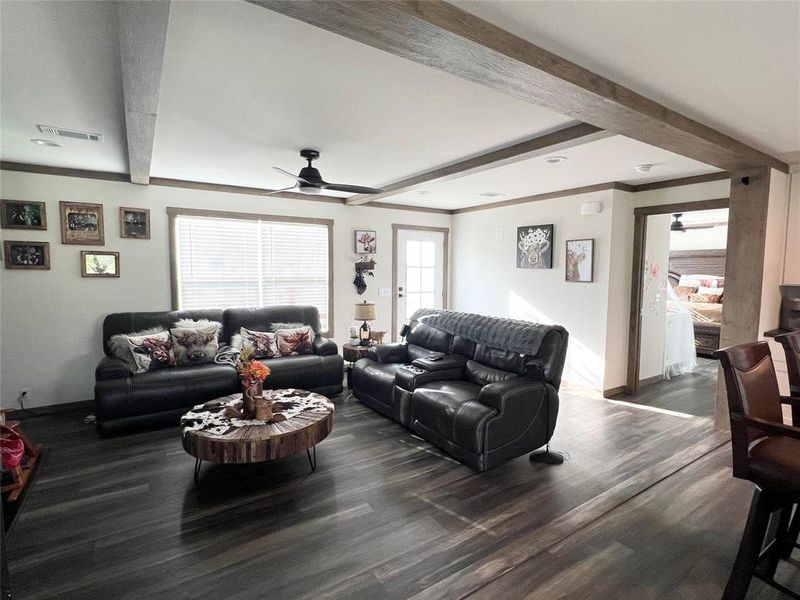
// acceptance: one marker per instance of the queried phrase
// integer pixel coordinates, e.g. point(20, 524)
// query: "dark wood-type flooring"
point(691, 393)
point(385, 516)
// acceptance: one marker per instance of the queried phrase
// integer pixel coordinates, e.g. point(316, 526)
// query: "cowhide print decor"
point(222, 416)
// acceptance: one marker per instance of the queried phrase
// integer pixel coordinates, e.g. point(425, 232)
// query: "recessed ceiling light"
point(491, 194)
point(555, 159)
point(50, 143)
point(645, 168)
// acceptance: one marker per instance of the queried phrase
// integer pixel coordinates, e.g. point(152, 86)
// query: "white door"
point(420, 272)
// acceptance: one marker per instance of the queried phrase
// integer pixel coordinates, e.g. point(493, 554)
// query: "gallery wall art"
point(580, 261)
point(82, 223)
point(18, 214)
point(26, 255)
point(99, 264)
point(366, 241)
point(535, 247)
point(134, 223)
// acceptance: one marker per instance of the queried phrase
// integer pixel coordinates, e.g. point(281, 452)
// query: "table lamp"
point(364, 311)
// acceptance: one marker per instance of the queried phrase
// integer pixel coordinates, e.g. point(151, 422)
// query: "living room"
point(474, 296)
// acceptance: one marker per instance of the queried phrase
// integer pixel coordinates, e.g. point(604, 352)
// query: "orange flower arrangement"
point(251, 371)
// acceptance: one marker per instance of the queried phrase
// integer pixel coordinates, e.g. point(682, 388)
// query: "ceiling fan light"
point(309, 189)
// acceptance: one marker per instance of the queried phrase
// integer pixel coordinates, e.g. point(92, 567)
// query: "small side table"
point(351, 353)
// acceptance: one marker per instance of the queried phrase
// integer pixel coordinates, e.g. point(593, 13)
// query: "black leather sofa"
point(480, 388)
point(158, 398)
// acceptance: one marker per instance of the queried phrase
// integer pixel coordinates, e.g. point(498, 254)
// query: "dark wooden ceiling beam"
point(556, 141)
point(439, 35)
point(142, 41)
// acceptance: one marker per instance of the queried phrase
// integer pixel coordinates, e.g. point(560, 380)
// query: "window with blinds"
point(228, 262)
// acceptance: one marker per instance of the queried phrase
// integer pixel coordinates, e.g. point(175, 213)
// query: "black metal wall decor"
point(363, 267)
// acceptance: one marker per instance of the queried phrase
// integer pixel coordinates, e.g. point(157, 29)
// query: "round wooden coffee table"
point(215, 432)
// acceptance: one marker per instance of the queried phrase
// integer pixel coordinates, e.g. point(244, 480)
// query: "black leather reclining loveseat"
point(480, 388)
point(158, 398)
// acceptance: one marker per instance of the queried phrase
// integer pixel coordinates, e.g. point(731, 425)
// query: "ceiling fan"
point(677, 224)
point(309, 181)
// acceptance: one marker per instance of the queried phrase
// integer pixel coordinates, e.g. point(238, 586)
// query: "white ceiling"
point(59, 65)
point(606, 160)
point(240, 97)
point(732, 65)
point(244, 88)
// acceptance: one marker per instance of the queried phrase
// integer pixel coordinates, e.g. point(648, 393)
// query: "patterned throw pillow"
point(292, 342)
point(263, 343)
point(143, 350)
point(705, 298)
point(151, 352)
point(195, 342)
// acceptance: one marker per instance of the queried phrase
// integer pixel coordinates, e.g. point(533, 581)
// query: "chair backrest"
point(791, 346)
point(752, 388)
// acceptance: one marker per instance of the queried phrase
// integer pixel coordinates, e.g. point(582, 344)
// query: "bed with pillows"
point(702, 295)
point(159, 364)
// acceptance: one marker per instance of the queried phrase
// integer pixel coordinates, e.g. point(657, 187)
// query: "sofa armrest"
point(388, 353)
point(502, 394)
point(411, 377)
point(111, 368)
point(441, 362)
point(324, 347)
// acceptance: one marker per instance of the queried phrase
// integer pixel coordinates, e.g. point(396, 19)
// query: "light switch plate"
point(384, 292)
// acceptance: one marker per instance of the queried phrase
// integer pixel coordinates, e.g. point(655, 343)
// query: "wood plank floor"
point(691, 393)
point(385, 515)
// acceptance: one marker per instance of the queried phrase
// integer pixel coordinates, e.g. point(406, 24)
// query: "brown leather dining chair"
point(791, 347)
point(767, 452)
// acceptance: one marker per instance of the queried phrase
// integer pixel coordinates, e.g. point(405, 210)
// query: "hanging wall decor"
point(580, 261)
point(82, 223)
point(535, 247)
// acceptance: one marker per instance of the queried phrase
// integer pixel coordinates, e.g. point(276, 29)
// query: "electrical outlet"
point(384, 292)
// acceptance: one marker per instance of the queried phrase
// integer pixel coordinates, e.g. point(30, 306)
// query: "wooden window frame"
point(174, 213)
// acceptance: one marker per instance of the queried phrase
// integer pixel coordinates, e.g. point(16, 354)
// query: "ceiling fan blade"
point(353, 189)
point(295, 177)
point(279, 191)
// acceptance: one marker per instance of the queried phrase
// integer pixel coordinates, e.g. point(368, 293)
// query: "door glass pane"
point(427, 254)
point(413, 279)
point(412, 304)
point(427, 279)
point(426, 300)
point(412, 253)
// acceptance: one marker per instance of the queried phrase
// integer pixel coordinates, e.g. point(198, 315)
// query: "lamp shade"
point(364, 311)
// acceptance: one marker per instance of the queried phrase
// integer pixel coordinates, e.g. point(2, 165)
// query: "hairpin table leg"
point(312, 462)
point(197, 464)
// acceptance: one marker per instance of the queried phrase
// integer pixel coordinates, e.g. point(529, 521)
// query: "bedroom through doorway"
point(682, 293)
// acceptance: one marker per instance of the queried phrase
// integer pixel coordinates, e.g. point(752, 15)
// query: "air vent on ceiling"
point(78, 135)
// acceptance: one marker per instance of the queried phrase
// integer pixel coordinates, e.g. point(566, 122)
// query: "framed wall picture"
point(580, 261)
point(99, 264)
point(366, 241)
point(134, 223)
point(82, 223)
point(26, 255)
point(21, 214)
point(535, 247)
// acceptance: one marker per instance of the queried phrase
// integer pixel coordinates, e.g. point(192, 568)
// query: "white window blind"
point(237, 262)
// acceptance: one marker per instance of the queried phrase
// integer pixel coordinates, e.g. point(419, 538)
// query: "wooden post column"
point(744, 269)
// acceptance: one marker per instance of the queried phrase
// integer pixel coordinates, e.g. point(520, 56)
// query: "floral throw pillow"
point(292, 342)
point(263, 343)
point(150, 352)
point(195, 342)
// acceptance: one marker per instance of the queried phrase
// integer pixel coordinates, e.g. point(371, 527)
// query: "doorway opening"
point(680, 287)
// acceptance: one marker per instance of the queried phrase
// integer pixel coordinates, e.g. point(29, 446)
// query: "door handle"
point(400, 292)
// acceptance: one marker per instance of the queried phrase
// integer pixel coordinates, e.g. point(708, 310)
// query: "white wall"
point(619, 290)
point(486, 279)
point(57, 315)
point(654, 298)
point(714, 238)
